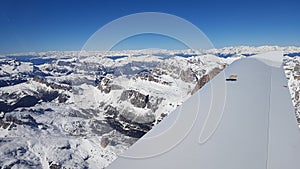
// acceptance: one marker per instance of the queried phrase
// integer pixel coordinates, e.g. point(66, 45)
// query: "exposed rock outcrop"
point(206, 78)
point(105, 84)
point(52, 84)
point(135, 98)
point(128, 122)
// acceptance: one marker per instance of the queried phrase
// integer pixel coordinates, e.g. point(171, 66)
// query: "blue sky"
point(38, 25)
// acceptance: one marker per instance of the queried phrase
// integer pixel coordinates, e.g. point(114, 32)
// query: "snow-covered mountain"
point(79, 109)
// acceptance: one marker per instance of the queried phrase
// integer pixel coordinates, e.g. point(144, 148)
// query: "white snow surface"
point(70, 133)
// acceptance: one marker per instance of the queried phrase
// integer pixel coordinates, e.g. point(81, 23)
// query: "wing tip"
point(273, 58)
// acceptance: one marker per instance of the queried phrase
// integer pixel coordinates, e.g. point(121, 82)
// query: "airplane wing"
point(247, 122)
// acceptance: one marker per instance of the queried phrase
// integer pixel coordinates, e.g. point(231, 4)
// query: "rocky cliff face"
point(206, 78)
point(291, 66)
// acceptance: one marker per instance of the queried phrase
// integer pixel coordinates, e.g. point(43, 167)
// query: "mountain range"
point(79, 109)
